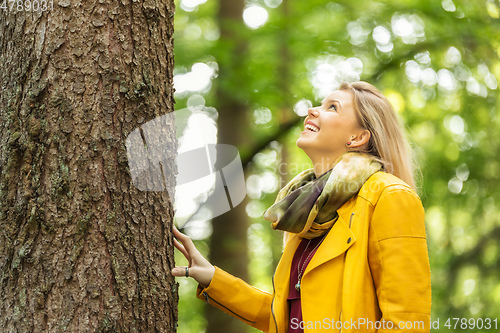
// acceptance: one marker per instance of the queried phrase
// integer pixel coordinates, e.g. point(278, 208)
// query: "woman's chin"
point(302, 144)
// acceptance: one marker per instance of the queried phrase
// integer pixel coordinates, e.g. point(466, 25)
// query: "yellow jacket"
point(370, 274)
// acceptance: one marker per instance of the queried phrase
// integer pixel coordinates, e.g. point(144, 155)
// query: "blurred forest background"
point(254, 67)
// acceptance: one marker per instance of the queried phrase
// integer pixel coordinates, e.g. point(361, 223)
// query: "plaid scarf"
point(308, 205)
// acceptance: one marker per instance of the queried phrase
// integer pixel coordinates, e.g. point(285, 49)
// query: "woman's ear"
point(361, 139)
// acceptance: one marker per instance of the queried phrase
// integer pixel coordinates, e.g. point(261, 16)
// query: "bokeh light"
point(255, 16)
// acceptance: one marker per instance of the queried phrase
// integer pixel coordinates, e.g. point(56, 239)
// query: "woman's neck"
point(322, 165)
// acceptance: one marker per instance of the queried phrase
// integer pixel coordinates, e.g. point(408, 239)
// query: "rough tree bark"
point(228, 243)
point(81, 249)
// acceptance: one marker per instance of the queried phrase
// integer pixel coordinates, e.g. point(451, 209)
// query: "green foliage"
point(438, 63)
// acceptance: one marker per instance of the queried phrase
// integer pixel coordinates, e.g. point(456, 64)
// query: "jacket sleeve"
point(237, 298)
point(399, 261)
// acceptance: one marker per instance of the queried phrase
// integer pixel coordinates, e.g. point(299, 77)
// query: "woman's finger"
point(186, 241)
point(202, 275)
point(180, 271)
point(181, 248)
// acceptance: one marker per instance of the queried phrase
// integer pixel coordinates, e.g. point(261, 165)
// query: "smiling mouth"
point(311, 128)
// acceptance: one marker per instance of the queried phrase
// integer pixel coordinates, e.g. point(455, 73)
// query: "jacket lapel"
point(281, 282)
point(338, 240)
point(283, 268)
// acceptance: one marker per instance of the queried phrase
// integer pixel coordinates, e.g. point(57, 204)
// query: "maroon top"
point(294, 294)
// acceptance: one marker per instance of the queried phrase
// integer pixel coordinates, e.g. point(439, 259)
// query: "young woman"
point(355, 256)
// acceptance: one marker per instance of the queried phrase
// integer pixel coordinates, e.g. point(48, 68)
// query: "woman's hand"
point(199, 267)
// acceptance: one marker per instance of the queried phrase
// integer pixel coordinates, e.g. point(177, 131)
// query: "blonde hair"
point(388, 140)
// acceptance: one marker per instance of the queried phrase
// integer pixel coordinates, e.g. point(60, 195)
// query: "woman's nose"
point(313, 112)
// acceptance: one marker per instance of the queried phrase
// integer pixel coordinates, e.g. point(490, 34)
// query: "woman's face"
point(328, 127)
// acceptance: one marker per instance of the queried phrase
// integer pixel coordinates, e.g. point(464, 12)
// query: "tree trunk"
point(228, 244)
point(81, 249)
